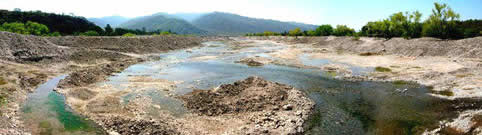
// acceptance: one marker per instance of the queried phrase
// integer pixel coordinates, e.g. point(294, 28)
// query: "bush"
point(442, 23)
point(37, 29)
point(89, 33)
point(129, 35)
point(15, 28)
point(343, 30)
point(324, 30)
point(295, 32)
point(28, 28)
point(55, 34)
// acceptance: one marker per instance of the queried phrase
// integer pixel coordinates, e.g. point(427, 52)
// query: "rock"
point(288, 107)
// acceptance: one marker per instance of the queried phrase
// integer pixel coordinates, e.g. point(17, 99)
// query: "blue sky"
point(354, 13)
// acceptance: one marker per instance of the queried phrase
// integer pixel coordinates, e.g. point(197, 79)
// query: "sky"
point(354, 13)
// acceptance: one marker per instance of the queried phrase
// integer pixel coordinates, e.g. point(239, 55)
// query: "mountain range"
point(214, 23)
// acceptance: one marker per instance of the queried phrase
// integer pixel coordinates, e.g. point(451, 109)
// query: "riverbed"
point(342, 106)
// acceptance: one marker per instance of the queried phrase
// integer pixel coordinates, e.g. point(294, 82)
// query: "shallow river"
point(342, 107)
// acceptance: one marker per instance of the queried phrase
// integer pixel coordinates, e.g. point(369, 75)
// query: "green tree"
point(441, 23)
point(37, 29)
point(295, 32)
point(15, 27)
point(312, 33)
point(343, 30)
point(108, 30)
point(324, 30)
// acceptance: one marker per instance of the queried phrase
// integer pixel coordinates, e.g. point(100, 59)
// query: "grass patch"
point(417, 67)
point(395, 66)
point(400, 82)
point(339, 50)
point(463, 75)
point(368, 54)
point(444, 93)
point(44, 124)
point(382, 69)
point(331, 73)
point(3, 81)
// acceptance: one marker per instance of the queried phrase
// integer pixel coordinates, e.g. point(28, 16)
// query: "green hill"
point(162, 22)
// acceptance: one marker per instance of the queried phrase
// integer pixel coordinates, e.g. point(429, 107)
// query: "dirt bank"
point(27, 61)
point(464, 48)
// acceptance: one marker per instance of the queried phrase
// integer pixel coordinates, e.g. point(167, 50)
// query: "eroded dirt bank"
point(453, 68)
point(27, 61)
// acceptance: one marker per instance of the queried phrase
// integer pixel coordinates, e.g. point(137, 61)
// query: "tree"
point(108, 30)
point(441, 23)
point(15, 28)
point(37, 29)
point(324, 30)
point(312, 33)
point(295, 32)
point(343, 30)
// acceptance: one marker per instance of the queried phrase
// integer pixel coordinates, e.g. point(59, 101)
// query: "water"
point(343, 107)
point(45, 113)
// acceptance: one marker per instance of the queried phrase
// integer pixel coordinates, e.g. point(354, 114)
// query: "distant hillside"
point(163, 22)
point(114, 21)
point(231, 24)
point(188, 16)
point(64, 24)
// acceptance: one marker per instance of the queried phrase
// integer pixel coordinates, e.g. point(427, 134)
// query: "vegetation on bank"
point(49, 24)
point(443, 23)
point(64, 24)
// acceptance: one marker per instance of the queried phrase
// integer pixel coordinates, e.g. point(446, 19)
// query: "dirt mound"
point(24, 48)
point(466, 48)
point(252, 94)
point(95, 74)
point(255, 61)
point(126, 126)
point(270, 107)
point(140, 44)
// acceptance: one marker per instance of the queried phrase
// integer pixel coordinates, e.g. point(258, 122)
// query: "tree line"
point(50, 24)
point(443, 23)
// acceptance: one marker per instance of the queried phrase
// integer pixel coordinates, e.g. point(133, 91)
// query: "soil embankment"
point(464, 48)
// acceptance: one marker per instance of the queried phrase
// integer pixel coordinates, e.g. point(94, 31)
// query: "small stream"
point(46, 113)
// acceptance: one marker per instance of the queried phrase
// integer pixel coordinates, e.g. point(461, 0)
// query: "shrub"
point(89, 33)
point(382, 69)
point(129, 35)
point(343, 30)
point(324, 30)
